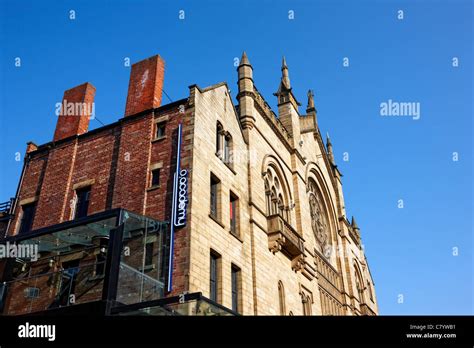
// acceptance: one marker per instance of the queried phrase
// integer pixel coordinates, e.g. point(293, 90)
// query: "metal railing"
point(5, 207)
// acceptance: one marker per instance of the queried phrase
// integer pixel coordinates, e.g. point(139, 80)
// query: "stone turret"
point(288, 105)
point(245, 95)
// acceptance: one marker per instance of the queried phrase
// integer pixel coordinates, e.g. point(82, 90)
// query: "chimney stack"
point(146, 85)
point(75, 111)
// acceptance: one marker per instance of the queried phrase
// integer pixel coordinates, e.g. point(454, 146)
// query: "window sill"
point(227, 164)
point(231, 169)
point(236, 236)
point(216, 221)
point(158, 139)
point(152, 188)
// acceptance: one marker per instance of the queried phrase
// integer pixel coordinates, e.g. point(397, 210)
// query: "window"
point(319, 217)
point(160, 130)
point(82, 203)
point(235, 278)
point(215, 188)
point(214, 277)
point(27, 217)
point(149, 254)
point(281, 297)
point(219, 132)
point(275, 195)
point(224, 145)
point(359, 285)
point(234, 214)
point(155, 177)
point(228, 149)
point(306, 299)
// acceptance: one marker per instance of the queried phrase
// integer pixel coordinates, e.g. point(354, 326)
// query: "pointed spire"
point(329, 149)
point(244, 60)
point(310, 101)
point(285, 77)
point(354, 224)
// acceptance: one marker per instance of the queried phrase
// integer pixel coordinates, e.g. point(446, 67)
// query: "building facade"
point(264, 229)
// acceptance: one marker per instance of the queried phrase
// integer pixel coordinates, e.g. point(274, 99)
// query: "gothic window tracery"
point(319, 217)
point(276, 201)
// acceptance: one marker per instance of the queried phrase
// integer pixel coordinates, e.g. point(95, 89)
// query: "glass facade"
point(101, 257)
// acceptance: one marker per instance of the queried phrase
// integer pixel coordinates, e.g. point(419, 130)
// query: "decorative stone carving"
point(275, 242)
point(298, 263)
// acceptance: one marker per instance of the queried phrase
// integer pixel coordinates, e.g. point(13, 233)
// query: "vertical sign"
point(178, 205)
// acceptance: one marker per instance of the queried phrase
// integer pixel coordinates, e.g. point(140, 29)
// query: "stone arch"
point(315, 176)
point(359, 281)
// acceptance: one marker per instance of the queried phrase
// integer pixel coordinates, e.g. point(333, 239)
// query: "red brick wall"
point(117, 158)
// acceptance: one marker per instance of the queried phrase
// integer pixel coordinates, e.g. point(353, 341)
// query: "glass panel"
point(141, 274)
point(58, 269)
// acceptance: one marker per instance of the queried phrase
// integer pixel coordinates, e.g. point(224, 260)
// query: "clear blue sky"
point(410, 250)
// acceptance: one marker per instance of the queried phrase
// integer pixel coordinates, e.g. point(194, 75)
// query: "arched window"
point(219, 133)
point(268, 197)
point(275, 195)
point(359, 285)
point(281, 207)
point(319, 216)
point(228, 149)
point(306, 301)
point(281, 297)
point(274, 202)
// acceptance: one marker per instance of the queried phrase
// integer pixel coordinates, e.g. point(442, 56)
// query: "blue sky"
point(410, 250)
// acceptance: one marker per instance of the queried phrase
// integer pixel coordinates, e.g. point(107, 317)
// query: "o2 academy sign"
point(180, 193)
point(179, 204)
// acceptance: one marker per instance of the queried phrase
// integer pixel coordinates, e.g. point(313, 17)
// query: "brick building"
point(200, 196)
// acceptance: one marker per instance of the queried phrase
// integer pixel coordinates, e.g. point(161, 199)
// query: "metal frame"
point(167, 301)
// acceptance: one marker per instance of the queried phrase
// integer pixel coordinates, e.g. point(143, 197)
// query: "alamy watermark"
point(22, 251)
point(75, 109)
point(401, 109)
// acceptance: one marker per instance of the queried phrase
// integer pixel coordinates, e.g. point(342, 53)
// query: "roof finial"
point(310, 101)
point(329, 148)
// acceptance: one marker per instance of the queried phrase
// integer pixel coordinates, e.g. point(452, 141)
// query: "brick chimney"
point(75, 111)
point(146, 85)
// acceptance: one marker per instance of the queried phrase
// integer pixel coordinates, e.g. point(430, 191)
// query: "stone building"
point(249, 205)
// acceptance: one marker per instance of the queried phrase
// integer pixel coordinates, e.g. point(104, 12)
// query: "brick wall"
point(116, 161)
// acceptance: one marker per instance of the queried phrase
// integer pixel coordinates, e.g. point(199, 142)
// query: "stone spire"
point(329, 148)
point(284, 93)
point(244, 60)
point(285, 77)
point(310, 108)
